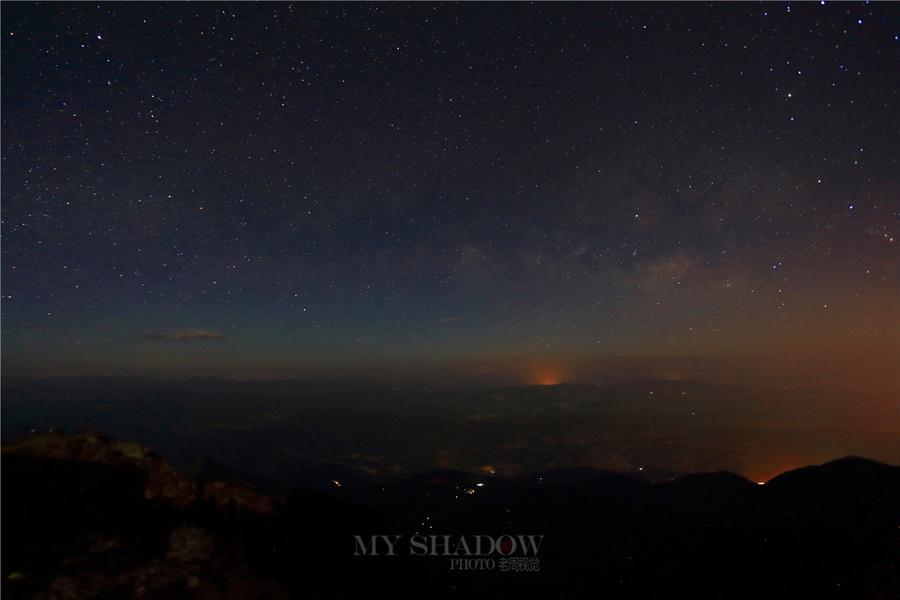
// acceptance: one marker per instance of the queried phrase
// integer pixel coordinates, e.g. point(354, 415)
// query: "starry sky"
point(539, 192)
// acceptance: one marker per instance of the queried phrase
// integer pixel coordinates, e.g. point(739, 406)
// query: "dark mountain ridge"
point(86, 515)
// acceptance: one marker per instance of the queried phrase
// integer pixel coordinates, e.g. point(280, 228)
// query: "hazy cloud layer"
point(183, 335)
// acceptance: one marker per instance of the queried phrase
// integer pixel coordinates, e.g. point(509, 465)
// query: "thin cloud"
point(183, 335)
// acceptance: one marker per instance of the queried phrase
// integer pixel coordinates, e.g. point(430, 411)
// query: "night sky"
point(540, 192)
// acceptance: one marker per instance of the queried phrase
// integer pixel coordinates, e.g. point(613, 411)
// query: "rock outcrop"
point(161, 482)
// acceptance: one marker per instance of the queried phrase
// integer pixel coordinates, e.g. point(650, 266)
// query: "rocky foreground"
point(88, 516)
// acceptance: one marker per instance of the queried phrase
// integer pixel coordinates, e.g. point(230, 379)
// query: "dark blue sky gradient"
point(478, 188)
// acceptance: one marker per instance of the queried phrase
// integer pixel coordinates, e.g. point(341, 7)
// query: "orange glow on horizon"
point(547, 375)
point(769, 468)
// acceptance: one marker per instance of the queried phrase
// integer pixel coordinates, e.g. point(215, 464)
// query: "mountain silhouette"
point(87, 515)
